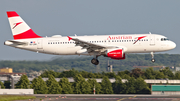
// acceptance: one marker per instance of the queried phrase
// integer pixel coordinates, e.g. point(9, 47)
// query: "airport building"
point(16, 91)
point(6, 74)
point(177, 69)
point(6, 70)
point(165, 89)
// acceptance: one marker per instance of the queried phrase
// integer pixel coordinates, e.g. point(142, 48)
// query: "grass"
point(15, 97)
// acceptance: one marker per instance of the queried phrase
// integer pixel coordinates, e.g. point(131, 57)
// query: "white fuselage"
point(59, 45)
point(112, 46)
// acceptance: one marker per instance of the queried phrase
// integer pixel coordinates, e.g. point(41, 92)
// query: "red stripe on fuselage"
point(11, 14)
point(27, 34)
point(139, 38)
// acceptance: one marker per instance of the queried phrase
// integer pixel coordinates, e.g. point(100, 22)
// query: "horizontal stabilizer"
point(13, 42)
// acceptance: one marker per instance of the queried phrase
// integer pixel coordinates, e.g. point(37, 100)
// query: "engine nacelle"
point(115, 54)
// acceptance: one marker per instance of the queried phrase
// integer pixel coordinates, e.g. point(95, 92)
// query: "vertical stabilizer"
point(19, 28)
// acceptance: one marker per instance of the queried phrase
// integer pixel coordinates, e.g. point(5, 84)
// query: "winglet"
point(69, 38)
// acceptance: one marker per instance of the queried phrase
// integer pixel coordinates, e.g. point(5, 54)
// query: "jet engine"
point(115, 54)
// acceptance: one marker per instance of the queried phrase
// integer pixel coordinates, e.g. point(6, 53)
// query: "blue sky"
point(89, 17)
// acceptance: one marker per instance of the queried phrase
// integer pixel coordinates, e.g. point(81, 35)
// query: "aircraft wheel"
point(153, 60)
point(95, 61)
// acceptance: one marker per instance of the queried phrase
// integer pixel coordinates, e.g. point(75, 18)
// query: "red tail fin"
point(19, 27)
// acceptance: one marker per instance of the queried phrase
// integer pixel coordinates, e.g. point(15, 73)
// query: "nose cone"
point(172, 45)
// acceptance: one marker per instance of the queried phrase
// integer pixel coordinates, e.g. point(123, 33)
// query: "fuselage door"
point(152, 40)
point(40, 44)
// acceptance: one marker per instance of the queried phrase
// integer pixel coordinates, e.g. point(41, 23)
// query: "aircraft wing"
point(89, 46)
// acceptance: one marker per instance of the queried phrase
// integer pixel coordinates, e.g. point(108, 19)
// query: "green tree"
point(2, 85)
point(160, 75)
point(7, 84)
point(106, 86)
point(39, 86)
point(168, 73)
point(110, 75)
point(130, 86)
point(66, 86)
point(43, 88)
point(53, 86)
point(120, 73)
point(127, 72)
point(177, 75)
point(137, 72)
point(85, 87)
point(141, 86)
point(84, 74)
point(46, 73)
point(35, 85)
point(23, 83)
point(93, 83)
point(125, 76)
point(150, 73)
point(98, 75)
point(118, 86)
point(81, 86)
point(91, 75)
point(70, 73)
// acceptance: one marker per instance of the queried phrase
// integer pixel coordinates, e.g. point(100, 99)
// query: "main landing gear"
point(152, 55)
point(95, 61)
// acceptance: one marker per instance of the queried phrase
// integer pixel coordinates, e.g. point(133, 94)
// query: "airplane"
point(112, 46)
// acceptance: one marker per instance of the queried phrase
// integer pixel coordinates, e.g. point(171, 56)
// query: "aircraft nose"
point(172, 45)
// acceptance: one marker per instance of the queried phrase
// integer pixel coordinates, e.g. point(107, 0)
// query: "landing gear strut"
point(152, 55)
point(95, 61)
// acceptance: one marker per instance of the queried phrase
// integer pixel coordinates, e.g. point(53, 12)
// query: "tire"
point(94, 61)
point(153, 60)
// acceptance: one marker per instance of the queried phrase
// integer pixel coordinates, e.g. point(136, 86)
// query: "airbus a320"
point(112, 46)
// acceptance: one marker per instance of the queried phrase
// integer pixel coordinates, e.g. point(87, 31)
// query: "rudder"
point(19, 28)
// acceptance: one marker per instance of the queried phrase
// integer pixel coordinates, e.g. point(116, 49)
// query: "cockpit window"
point(164, 39)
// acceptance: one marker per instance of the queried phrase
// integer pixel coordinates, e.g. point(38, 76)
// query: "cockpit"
point(166, 44)
point(164, 39)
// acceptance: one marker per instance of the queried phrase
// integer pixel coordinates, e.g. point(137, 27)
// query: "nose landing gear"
point(153, 60)
point(152, 55)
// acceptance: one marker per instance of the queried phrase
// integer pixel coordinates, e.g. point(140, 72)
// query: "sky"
point(89, 17)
